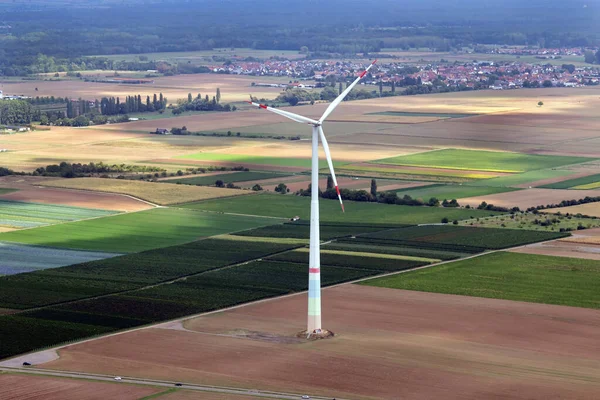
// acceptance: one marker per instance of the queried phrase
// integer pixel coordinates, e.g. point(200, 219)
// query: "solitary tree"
point(380, 88)
point(218, 95)
point(281, 188)
point(219, 183)
point(340, 89)
point(257, 188)
point(189, 98)
point(329, 182)
point(374, 188)
point(540, 103)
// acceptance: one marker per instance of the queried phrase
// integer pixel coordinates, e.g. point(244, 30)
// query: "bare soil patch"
point(21, 387)
point(30, 191)
point(535, 197)
point(388, 344)
point(563, 248)
point(159, 193)
point(195, 395)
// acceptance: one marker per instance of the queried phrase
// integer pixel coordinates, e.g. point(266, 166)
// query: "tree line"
point(132, 104)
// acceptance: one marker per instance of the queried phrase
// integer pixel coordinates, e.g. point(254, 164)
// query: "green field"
point(574, 183)
point(135, 232)
point(477, 239)
point(226, 178)
point(28, 215)
point(483, 160)
point(7, 190)
point(245, 160)
point(302, 231)
point(449, 192)
point(511, 276)
point(288, 206)
point(530, 221)
point(526, 177)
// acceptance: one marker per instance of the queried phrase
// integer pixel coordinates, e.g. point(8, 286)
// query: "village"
point(473, 74)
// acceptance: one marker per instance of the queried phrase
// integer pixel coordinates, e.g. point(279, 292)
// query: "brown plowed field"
point(563, 248)
point(535, 197)
point(29, 191)
point(389, 344)
point(29, 387)
point(189, 395)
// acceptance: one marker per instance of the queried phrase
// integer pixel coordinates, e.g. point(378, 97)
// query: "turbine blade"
point(341, 97)
point(330, 163)
point(287, 114)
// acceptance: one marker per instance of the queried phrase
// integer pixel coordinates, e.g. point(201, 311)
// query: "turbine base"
point(316, 334)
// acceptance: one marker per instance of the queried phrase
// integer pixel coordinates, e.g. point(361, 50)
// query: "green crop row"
point(348, 261)
point(473, 239)
point(127, 272)
point(353, 245)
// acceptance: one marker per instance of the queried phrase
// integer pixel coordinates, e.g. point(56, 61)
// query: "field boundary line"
point(160, 383)
point(55, 349)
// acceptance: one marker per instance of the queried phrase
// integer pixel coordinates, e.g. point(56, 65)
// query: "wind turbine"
point(314, 264)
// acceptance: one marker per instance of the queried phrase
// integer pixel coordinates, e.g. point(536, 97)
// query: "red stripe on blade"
point(373, 62)
point(262, 106)
point(337, 189)
point(363, 74)
point(314, 270)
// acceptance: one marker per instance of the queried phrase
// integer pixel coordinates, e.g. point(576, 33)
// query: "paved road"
point(161, 383)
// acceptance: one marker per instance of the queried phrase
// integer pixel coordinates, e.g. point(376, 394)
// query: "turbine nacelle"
point(318, 125)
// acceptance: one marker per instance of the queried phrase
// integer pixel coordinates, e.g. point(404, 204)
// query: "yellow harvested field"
point(591, 209)
point(594, 185)
point(6, 229)
point(376, 255)
point(233, 87)
point(159, 193)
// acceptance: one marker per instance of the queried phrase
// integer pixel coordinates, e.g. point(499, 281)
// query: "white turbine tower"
point(314, 265)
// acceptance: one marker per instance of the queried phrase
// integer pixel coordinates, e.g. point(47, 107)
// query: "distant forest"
point(67, 29)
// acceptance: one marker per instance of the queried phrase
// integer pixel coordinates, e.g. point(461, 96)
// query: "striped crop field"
point(18, 214)
point(478, 160)
point(424, 173)
point(244, 159)
point(585, 182)
point(226, 178)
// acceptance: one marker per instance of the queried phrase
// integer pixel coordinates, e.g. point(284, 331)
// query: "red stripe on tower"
point(314, 270)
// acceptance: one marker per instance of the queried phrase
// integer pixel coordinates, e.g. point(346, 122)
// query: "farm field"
point(160, 193)
point(526, 179)
point(136, 232)
point(586, 182)
point(518, 349)
point(455, 238)
point(16, 214)
point(527, 221)
point(17, 259)
point(21, 387)
point(591, 209)
point(206, 55)
point(233, 177)
point(260, 160)
point(139, 297)
point(233, 87)
point(287, 206)
point(562, 248)
point(529, 198)
point(29, 191)
point(415, 173)
point(4, 191)
point(510, 276)
point(450, 192)
point(483, 160)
